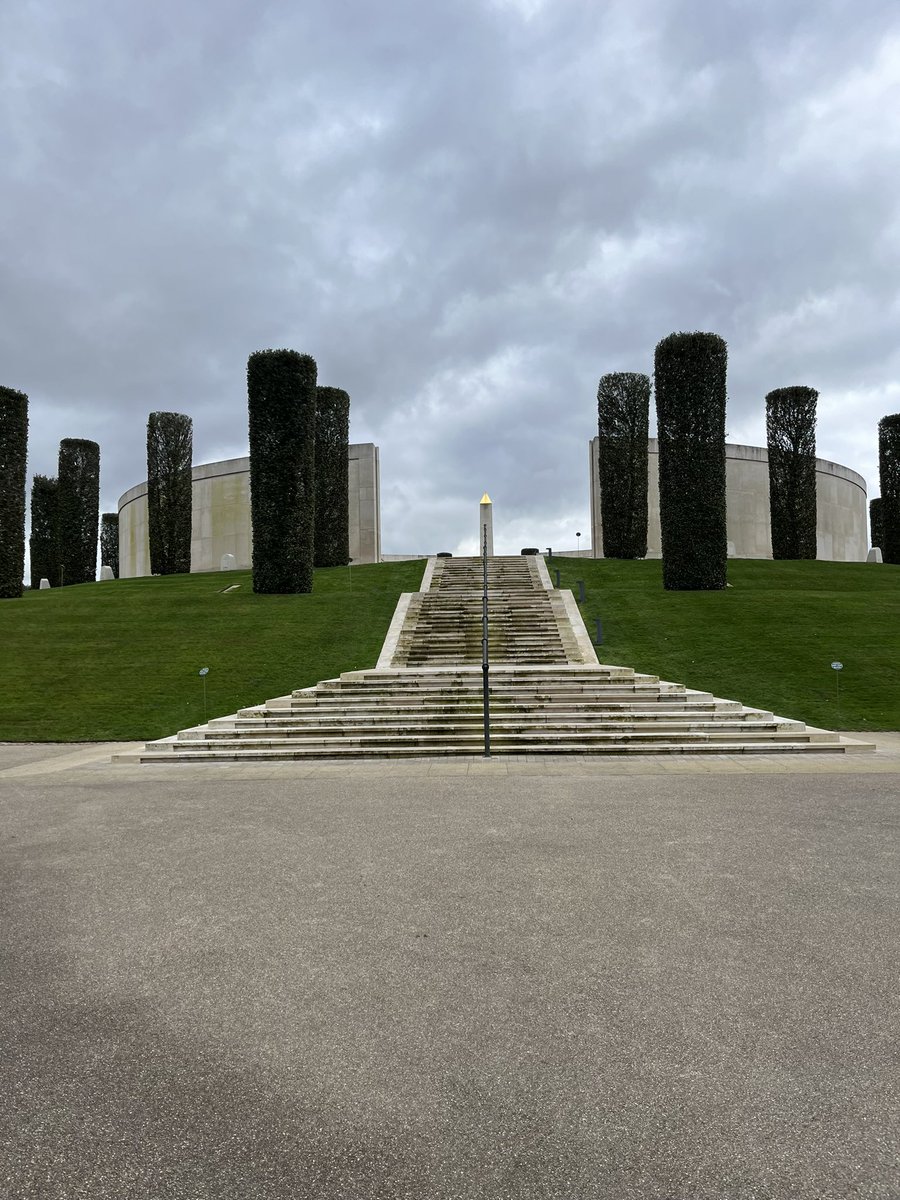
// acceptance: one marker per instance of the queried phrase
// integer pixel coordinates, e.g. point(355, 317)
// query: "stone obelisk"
point(486, 518)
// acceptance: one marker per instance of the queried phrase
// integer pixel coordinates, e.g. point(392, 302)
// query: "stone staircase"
point(443, 624)
point(548, 693)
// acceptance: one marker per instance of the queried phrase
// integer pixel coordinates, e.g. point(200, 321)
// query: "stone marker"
point(106, 572)
point(44, 585)
point(486, 517)
point(227, 563)
point(874, 555)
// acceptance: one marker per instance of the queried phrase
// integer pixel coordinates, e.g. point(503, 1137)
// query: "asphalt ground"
point(587, 980)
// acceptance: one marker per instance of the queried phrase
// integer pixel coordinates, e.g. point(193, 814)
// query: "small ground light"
point(203, 672)
point(837, 667)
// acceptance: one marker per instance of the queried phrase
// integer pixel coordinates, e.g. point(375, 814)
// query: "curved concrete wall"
point(841, 506)
point(220, 519)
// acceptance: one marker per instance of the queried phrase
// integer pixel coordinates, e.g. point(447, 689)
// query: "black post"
point(580, 591)
point(556, 569)
point(485, 665)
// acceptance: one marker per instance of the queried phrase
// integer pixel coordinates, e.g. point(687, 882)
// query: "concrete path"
point(567, 979)
point(92, 759)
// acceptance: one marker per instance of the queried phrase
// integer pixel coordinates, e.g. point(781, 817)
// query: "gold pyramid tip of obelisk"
point(485, 499)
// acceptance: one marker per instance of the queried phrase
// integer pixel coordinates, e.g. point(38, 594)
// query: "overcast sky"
point(466, 211)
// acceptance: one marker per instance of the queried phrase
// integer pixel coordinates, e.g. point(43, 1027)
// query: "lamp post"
point(485, 664)
point(578, 544)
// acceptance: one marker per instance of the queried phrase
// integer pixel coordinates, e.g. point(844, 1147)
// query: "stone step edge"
point(677, 714)
point(752, 730)
point(509, 728)
point(843, 746)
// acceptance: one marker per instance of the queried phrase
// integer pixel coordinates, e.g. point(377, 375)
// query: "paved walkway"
point(92, 759)
point(661, 979)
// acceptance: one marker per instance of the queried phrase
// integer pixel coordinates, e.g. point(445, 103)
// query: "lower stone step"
point(502, 723)
point(342, 751)
point(520, 741)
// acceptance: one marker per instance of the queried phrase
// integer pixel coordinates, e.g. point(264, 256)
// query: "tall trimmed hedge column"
point(169, 492)
point(109, 542)
point(889, 470)
point(876, 523)
point(79, 509)
point(13, 456)
point(623, 416)
point(791, 440)
point(281, 393)
point(43, 544)
point(690, 405)
point(332, 530)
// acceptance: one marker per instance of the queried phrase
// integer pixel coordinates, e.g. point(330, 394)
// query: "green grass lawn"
point(120, 660)
point(768, 640)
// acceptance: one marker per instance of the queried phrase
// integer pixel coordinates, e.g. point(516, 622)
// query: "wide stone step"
point(508, 678)
point(565, 729)
point(517, 695)
point(298, 718)
point(341, 750)
point(529, 673)
point(584, 737)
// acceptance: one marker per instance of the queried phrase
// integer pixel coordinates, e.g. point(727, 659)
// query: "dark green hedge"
point(169, 492)
point(13, 456)
point(690, 371)
point(791, 440)
point(332, 504)
point(79, 509)
point(43, 544)
point(876, 523)
point(623, 413)
point(889, 470)
point(281, 393)
point(109, 542)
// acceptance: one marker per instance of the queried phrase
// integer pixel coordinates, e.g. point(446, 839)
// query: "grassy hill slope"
point(120, 660)
point(768, 640)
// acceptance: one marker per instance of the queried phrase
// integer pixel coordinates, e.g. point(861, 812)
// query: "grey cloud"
point(417, 193)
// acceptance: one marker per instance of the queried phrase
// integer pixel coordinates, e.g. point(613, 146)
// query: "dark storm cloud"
point(466, 212)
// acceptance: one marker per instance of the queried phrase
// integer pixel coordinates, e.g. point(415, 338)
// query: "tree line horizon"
point(299, 434)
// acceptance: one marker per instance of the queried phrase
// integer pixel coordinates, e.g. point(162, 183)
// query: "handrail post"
point(485, 664)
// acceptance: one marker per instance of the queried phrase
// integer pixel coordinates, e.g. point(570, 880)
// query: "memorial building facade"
point(220, 521)
point(842, 509)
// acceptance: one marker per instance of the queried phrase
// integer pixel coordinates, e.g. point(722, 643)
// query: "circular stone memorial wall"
point(841, 506)
point(220, 518)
